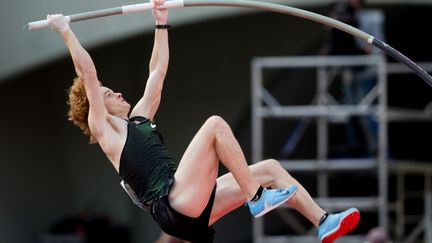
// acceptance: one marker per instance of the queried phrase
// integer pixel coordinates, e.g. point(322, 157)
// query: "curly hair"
point(79, 107)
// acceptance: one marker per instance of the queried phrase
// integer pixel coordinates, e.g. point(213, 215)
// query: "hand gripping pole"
point(273, 7)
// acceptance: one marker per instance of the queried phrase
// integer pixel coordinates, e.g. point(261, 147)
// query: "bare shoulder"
point(112, 138)
point(144, 108)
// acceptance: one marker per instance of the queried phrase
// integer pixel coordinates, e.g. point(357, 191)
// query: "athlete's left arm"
point(148, 105)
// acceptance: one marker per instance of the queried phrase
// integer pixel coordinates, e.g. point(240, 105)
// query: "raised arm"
point(85, 70)
point(149, 103)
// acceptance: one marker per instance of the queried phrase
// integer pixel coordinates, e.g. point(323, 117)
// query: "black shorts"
point(195, 230)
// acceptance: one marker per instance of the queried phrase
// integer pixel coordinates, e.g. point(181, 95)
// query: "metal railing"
point(325, 109)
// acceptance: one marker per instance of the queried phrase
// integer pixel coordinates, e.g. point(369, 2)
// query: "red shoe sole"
point(348, 223)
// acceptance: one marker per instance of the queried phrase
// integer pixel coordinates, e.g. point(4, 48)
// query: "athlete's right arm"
point(86, 71)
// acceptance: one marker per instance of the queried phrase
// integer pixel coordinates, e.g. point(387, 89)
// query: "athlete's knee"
point(269, 167)
point(216, 121)
point(218, 124)
point(273, 164)
point(279, 175)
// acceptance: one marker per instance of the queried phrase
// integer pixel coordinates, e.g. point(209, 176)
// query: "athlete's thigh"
point(196, 174)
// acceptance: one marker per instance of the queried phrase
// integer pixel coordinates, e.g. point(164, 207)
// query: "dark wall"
point(32, 163)
point(48, 169)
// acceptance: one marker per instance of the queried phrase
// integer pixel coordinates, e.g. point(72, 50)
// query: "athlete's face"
point(114, 102)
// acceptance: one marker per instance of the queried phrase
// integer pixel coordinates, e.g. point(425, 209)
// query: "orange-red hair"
point(79, 107)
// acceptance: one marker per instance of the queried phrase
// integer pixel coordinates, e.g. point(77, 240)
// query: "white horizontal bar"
point(147, 6)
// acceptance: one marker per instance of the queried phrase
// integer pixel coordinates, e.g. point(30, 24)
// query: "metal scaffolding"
point(324, 110)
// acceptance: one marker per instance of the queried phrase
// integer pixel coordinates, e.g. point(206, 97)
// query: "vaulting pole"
point(273, 7)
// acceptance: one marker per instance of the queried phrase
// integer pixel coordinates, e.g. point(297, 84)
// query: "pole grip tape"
point(41, 24)
point(134, 8)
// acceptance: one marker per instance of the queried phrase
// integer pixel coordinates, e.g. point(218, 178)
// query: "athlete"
point(185, 198)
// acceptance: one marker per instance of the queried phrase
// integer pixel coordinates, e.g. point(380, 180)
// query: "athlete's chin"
point(127, 106)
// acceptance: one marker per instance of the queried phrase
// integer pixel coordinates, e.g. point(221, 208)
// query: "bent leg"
point(198, 169)
point(269, 173)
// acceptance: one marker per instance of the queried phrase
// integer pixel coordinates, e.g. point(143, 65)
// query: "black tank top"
point(144, 163)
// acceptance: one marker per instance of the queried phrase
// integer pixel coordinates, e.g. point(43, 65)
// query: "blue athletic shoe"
point(270, 199)
point(336, 225)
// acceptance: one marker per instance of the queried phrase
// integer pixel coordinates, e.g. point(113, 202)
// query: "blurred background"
point(55, 187)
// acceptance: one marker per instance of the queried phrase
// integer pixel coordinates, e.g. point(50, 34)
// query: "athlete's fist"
point(58, 22)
